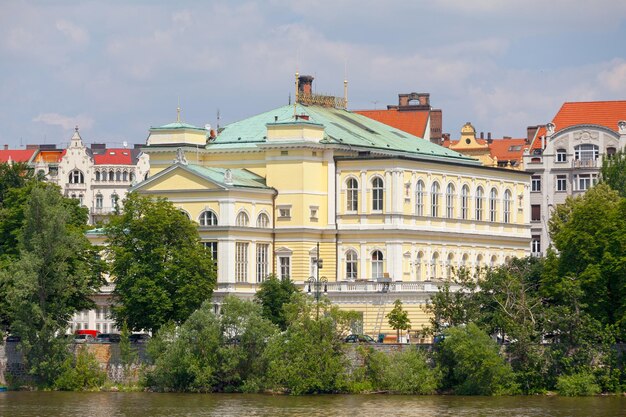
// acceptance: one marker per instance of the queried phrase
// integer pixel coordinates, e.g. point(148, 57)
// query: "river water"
point(44, 404)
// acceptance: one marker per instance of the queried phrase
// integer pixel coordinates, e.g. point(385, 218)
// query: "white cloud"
point(76, 34)
point(615, 77)
point(65, 122)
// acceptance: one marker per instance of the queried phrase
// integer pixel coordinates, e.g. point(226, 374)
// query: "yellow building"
point(390, 211)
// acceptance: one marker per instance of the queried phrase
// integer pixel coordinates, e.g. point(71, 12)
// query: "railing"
point(587, 163)
point(75, 186)
point(347, 286)
point(103, 210)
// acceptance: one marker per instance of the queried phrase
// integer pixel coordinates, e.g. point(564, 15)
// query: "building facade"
point(566, 155)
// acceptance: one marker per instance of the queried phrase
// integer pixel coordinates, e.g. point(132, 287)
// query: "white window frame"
point(465, 195)
point(480, 195)
point(262, 261)
point(352, 265)
point(493, 205)
point(508, 202)
point(284, 266)
point(352, 195)
point(241, 261)
point(561, 183)
point(419, 198)
point(378, 265)
point(208, 218)
point(378, 187)
point(434, 199)
point(450, 201)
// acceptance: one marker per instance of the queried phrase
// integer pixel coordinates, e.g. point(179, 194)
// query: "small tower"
point(76, 141)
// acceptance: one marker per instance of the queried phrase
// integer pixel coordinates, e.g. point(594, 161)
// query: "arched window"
point(508, 201)
point(76, 177)
point(450, 201)
point(493, 199)
point(419, 198)
point(352, 194)
point(263, 221)
point(351, 265)
point(464, 202)
point(125, 176)
point(242, 219)
point(111, 175)
point(464, 261)
point(377, 194)
point(586, 152)
point(97, 175)
point(433, 266)
point(181, 211)
point(418, 265)
point(118, 176)
point(493, 261)
point(480, 195)
point(208, 218)
point(115, 199)
point(449, 266)
point(377, 264)
point(479, 261)
point(434, 199)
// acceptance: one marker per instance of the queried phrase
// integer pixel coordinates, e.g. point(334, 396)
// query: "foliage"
point(471, 363)
point(309, 356)
point(54, 274)
point(273, 294)
point(127, 354)
point(398, 318)
point(80, 372)
point(579, 384)
point(162, 272)
point(613, 172)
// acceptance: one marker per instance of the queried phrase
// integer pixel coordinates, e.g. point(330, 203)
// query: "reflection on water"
point(45, 404)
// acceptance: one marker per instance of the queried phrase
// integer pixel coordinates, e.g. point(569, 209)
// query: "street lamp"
point(318, 284)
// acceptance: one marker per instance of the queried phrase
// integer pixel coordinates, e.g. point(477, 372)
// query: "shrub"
point(81, 372)
point(579, 384)
point(407, 372)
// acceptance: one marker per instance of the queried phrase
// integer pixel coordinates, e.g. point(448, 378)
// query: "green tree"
point(162, 272)
point(54, 275)
point(80, 372)
point(613, 172)
point(399, 318)
point(273, 294)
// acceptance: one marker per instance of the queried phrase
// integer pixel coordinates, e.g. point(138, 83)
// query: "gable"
point(177, 179)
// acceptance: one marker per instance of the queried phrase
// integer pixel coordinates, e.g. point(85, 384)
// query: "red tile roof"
point(413, 122)
point(114, 156)
point(17, 155)
point(508, 149)
point(602, 113)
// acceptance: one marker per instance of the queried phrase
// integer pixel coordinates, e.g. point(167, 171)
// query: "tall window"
point(419, 198)
point(561, 155)
point(450, 201)
point(480, 195)
point(242, 219)
point(211, 248)
point(377, 194)
point(585, 181)
point(351, 265)
point(97, 175)
point(464, 202)
point(111, 175)
point(77, 177)
point(377, 264)
point(284, 263)
point(99, 201)
point(535, 245)
point(433, 265)
point(241, 261)
point(561, 182)
point(535, 212)
point(352, 195)
point(208, 218)
point(508, 201)
point(118, 176)
point(114, 200)
point(535, 183)
point(262, 261)
point(263, 220)
point(493, 203)
point(434, 200)
point(586, 152)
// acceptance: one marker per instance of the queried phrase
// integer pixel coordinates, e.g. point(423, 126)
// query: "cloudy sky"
point(115, 68)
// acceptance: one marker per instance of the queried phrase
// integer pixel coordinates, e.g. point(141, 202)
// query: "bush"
point(81, 372)
point(579, 384)
point(405, 372)
point(471, 364)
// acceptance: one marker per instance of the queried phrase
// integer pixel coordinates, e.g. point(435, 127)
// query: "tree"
point(273, 294)
point(53, 276)
point(162, 272)
point(399, 318)
point(613, 172)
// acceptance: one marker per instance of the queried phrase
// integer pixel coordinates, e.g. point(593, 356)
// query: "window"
point(114, 200)
point(263, 221)
point(450, 201)
point(508, 200)
point(125, 176)
point(449, 268)
point(433, 266)
point(434, 199)
point(211, 248)
point(111, 175)
point(419, 198)
point(586, 152)
point(262, 261)
point(80, 199)
point(77, 177)
point(377, 264)
point(561, 182)
point(493, 205)
point(208, 218)
point(352, 195)
point(284, 263)
point(535, 212)
point(184, 213)
point(464, 201)
point(242, 219)
point(561, 155)
point(535, 183)
point(585, 181)
point(535, 245)
point(479, 203)
point(118, 176)
point(610, 151)
point(241, 261)
point(351, 265)
point(377, 194)
point(97, 175)
point(284, 212)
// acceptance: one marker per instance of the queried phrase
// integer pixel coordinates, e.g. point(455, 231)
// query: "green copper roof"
point(177, 125)
point(240, 177)
point(341, 127)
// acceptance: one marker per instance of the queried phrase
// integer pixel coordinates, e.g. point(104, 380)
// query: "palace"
point(389, 214)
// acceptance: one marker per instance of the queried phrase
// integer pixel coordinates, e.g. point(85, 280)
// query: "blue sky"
point(116, 68)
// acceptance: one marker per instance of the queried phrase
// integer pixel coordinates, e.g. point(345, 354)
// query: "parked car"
point(84, 338)
point(139, 338)
point(359, 338)
point(94, 333)
point(108, 338)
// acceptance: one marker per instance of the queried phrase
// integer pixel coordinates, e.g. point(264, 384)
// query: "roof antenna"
point(345, 84)
point(178, 111)
point(218, 120)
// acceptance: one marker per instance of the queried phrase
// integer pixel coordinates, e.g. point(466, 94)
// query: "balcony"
point(586, 163)
point(72, 186)
point(102, 210)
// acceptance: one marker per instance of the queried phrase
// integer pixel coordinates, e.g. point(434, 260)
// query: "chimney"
point(403, 100)
point(531, 131)
point(424, 99)
point(6, 147)
point(482, 135)
point(305, 85)
point(488, 135)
